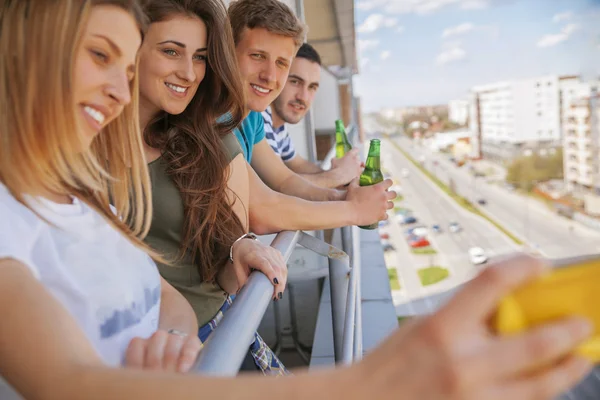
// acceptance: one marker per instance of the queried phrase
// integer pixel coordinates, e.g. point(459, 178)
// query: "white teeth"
point(260, 89)
point(178, 89)
point(97, 115)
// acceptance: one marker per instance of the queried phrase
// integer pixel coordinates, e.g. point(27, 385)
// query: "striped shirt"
point(279, 138)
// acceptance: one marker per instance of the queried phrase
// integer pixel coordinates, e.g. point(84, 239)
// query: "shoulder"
point(19, 229)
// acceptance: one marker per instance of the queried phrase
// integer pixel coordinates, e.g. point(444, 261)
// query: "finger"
point(156, 350)
point(386, 184)
point(389, 205)
point(354, 183)
point(547, 384)
point(189, 354)
point(391, 195)
point(540, 347)
point(134, 355)
point(479, 298)
point(172, 351)
point(263, 264)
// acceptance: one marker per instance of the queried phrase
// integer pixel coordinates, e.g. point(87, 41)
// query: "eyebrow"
point(112, 44)
point(116, 49)
point(302, 80)
point(179, 44)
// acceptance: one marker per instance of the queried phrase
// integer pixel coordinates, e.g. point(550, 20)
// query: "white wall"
point(326, 107)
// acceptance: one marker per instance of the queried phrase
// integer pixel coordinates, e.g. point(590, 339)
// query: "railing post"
point(357, 268)
point(338, 284)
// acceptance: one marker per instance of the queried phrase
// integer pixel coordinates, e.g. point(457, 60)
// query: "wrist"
point(248, 235)
point(337, 195)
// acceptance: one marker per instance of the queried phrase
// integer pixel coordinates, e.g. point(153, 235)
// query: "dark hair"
point(191, 142)
point(309, 52)
point(272, 15)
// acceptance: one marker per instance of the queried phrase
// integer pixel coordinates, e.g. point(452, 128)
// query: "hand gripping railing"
point(226, 348)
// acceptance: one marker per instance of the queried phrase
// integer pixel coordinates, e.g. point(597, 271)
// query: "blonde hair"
point(41, 147)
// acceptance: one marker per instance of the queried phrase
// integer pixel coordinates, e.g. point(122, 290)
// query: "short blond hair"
point(41, 145)
point(272, 15)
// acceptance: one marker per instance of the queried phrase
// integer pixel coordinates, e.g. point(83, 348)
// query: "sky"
point(420, 52)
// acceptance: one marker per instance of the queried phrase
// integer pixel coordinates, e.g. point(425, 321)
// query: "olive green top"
point(166, 235)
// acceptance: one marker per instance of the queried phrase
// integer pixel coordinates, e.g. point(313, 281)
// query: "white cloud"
point(399, 29)
point(366, 44)
point(385, 55)
point(452, 53)
point(458, 30)
point(556, 38)
point(562, 16)
point(376, 21)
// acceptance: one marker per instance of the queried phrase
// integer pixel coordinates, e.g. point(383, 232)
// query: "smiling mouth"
point(96, 115)
point(298, 107)
point(260, 89)
point(180, 90)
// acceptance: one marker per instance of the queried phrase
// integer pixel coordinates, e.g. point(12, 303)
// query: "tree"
point(524, 172)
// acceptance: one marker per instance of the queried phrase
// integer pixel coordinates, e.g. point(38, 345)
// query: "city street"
point(543, 230)
point(432, 206)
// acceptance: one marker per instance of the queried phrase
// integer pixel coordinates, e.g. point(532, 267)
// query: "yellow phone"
point(572, 288)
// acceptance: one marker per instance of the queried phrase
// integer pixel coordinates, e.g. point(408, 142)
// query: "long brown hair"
point(191, 141)
point(41, 147)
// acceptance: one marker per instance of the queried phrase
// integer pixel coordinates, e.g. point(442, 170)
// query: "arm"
point(271, 211)
point(68, 368)
point(175, 311)
point(341, 173)
point(451, 354)
point(280, 178)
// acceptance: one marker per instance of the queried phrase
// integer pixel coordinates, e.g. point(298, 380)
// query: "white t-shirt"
point(111, 288)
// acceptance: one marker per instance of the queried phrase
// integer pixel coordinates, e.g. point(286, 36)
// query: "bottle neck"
point(373, 159)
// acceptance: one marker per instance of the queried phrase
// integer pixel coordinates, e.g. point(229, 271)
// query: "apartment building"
point(510, 117)
point(581, 139)
point(458, 111)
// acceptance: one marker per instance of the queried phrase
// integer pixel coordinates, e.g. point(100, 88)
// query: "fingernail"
point(276, 281)
point(280, 295)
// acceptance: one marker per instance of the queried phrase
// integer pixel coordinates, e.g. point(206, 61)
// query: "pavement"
point(430, 205)
point(532, 221)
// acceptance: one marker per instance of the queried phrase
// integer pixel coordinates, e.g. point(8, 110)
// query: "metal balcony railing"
point(226, 348)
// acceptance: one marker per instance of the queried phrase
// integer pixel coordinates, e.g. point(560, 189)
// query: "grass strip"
point(424, 250)
point(431, 275)
point(393, 276)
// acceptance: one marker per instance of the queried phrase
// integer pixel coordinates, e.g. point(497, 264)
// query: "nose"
point(119, 89)
point(186, 71)
point(269, 72)
point(303, 94)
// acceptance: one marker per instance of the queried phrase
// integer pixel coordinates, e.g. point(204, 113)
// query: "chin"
point(174, 109)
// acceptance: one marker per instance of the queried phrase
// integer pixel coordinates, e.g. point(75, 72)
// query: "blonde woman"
point(80, 297)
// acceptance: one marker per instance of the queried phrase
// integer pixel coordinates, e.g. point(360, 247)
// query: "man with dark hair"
point(290, 107)
point(267, 37)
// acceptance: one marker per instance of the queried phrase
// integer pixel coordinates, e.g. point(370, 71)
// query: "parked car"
point(384, 235)
point(436, 228)
point(405, 172)
point(482, 202)
point(420, 231)
point(406, 219)
point(416, 242)
point(477, 255)
point(383, 223)
point(454, 227)
point(388, 247)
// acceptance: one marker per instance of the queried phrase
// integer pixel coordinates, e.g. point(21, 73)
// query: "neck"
point(278, 122)
point(147, 111)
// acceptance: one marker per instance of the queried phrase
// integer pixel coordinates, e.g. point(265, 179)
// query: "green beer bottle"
point(372, 172)
point(342, 146)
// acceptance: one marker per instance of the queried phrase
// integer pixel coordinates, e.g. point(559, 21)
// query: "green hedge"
point(393, 275)
point(431, 275)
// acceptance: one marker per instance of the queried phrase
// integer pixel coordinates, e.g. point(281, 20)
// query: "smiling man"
point(290, 107)
point(267, 37)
